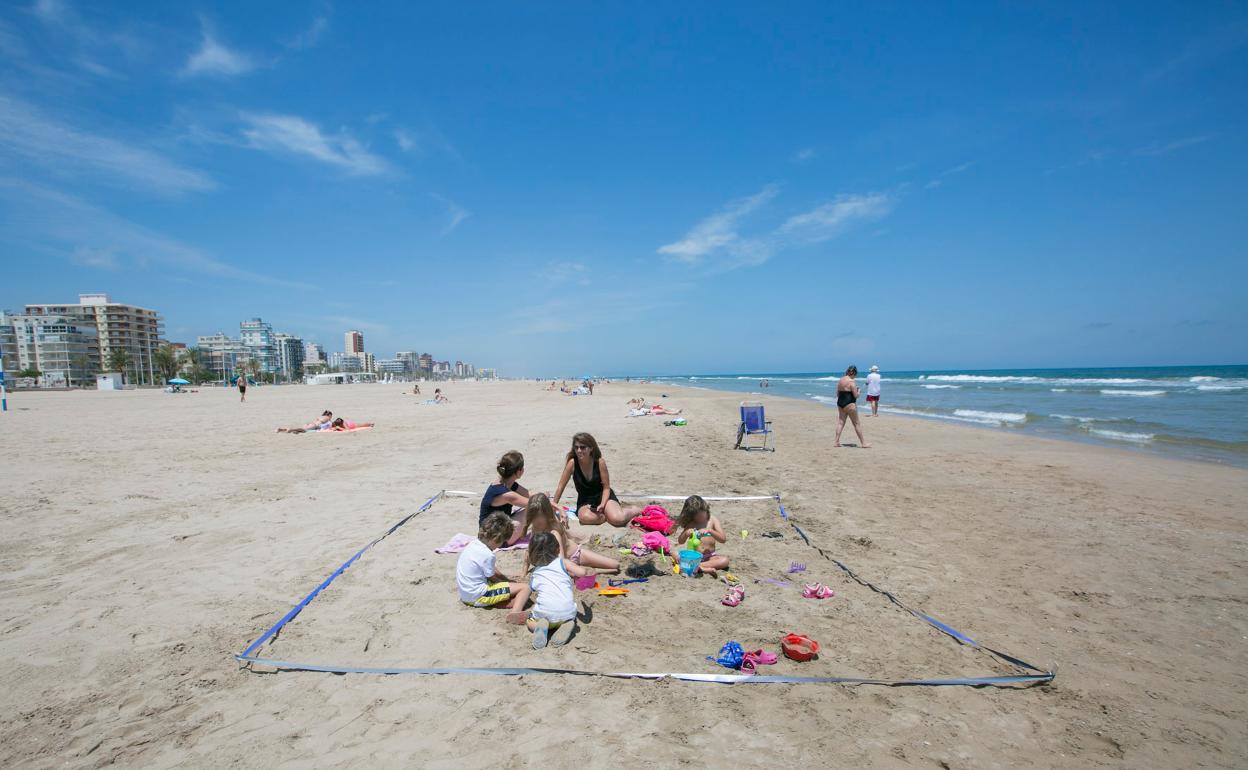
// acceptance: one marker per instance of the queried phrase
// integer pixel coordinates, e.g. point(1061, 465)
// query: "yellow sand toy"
point(612, 591)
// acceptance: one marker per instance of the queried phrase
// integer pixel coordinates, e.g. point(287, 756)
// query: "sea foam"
point(1133, 392)
point(1117, 435)
point(1013, 417)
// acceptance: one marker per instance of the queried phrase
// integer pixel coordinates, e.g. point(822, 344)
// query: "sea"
point(1196, 412)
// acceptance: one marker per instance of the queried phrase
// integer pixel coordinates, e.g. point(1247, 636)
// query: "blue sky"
point(632, 188)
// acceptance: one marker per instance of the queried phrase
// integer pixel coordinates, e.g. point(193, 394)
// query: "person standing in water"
point(847, 406)
point(873, 390)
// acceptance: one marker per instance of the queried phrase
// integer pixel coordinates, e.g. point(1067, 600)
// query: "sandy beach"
point(150, 537)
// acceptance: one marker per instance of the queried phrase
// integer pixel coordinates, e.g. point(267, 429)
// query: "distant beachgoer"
point(241, 382)
point(500, 496)
point(321, 423)
point(415, 390)
point(847, 406)
point(590, 384)
point(345, 425)
point(873, 390)
point(438, 398)
point(596, 502)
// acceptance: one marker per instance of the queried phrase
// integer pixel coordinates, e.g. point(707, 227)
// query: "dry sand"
point(148, 537)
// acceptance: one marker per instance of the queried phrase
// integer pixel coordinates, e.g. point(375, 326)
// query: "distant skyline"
point(642, 189)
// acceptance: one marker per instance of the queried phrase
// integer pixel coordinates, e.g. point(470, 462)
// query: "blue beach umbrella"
point(179, 381)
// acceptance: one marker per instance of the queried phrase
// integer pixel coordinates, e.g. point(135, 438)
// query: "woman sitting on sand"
point(596, 502)
point(320, 423)
point(847, 406)
point(507, 492)
point(541, 518)
point(438, 398)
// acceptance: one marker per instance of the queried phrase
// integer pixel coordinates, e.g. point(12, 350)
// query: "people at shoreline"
point(506, 493)
point(873, 390)
point(541, 517)
point(847, 392)
point(477, 577)
point(695, 518)
point(596, 502)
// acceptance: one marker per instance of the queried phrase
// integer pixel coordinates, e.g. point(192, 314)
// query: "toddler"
point(553, 615)
point(696, 516)
point(479, 581)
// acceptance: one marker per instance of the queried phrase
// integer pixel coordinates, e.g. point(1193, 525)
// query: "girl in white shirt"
point(553, 615)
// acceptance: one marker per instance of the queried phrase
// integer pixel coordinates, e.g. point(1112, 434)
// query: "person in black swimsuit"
point(847, 406)
point(596, 502)
point(506, 492)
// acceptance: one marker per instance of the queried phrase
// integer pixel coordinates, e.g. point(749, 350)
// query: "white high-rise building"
point(353, 342)
point(257, 337)
point(64, 350)
point(290, 354)
point(136, 330)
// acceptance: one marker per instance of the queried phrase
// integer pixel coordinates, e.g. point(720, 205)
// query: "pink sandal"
point(735, 595)
point(817, 591)
point(752, 660)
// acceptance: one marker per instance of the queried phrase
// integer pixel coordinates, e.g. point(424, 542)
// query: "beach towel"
point(348, 430)
point(461, 541)
point(654, 518)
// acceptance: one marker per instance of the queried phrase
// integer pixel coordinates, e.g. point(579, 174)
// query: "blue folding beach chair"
point(754, 422)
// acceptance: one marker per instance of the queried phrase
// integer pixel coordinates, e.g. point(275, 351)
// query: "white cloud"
point(27, 132)
point(718, 232)
point(294, 135)
point(101, 259)
point(829, 220)
point(98, 238)
point(565, 272)
point(804, 155)
point(938, 181)
point(215, 59)
point(717, 236)
point(406, 141)
point(309, 37)
point(455, 212)
point(1156, 148)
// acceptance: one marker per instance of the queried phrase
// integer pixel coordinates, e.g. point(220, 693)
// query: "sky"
point(633, 188)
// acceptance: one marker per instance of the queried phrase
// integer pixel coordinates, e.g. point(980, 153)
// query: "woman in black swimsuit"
point(847, 406)
point(596, 502)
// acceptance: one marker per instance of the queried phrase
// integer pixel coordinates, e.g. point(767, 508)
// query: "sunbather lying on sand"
point(321, 423)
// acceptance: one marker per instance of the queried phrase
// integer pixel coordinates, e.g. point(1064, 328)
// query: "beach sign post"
point(4, 395)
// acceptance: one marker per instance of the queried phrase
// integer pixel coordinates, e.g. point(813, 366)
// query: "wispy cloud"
point(87, 44)
point(1157, 148)
point(27, 132)
point(560, 316)
point(718, 232)
point(214, 58)
point(565, 272)
point(455, 212)
point(88, 235)
point(825, 222)
point(939, 179)
point(804, 155)
point(294, 135)
point(308, 38)
point(425, 141)
point(718, 235)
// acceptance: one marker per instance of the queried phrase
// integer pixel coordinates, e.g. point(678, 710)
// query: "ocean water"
point(1197, 412)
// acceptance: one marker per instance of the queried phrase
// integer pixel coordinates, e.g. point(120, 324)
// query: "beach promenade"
point(147, 538)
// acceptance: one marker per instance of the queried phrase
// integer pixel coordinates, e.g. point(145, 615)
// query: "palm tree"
point(166, 360)
point(196, 358)
point(119, 360)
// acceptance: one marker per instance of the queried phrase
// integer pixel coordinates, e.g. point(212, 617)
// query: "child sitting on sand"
point(507, 492)
point(696, 516)
point(554, 610)
point(541, 517)
point(477, 577)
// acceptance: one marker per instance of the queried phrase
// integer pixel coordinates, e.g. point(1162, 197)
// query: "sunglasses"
point(579, 447)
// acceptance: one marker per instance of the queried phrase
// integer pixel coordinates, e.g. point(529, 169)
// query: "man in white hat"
point(873, 390)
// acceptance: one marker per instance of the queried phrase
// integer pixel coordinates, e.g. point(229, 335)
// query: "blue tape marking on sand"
point(938, 625)
point(984, 681)
point(289, 616)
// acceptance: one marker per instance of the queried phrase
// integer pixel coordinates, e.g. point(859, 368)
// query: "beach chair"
point(754, 422)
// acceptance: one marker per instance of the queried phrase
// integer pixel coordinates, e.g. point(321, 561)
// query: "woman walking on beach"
point(596, 502)
point(847, 406)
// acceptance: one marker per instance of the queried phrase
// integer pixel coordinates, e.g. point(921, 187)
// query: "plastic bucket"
point(689, 561)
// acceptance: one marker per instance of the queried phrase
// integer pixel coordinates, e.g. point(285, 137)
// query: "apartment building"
point(136, 330)
point(65, 350)
point(290, 354)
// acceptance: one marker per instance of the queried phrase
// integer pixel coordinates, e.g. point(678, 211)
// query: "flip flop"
point(752, 660)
